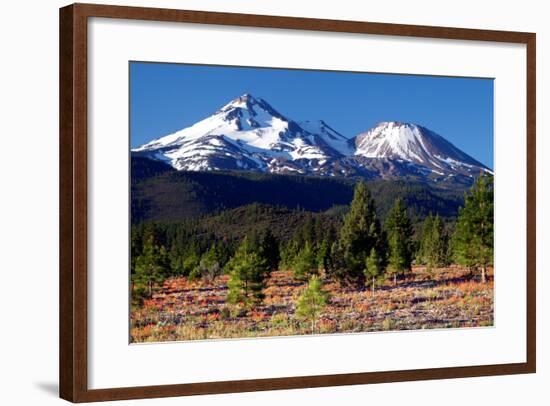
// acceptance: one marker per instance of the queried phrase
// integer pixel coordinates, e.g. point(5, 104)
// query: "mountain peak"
point(412, 143)
point(391, 139)
point(250, 105)
point(243, 101)
point(247, 96)
point(248, 134)
point(397, 124)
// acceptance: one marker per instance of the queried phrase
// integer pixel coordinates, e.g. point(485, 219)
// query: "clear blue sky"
point(168, 97)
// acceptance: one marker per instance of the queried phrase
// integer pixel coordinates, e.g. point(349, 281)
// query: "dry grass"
point(184, 310)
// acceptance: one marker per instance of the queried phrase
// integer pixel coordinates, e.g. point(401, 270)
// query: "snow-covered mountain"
point(249, 134)
point(417, 145)
point(245, 134)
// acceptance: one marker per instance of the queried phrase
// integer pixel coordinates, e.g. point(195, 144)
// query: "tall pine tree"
point(323, 255)
point(248, 270)
point(269, 247)
point(373, 269)
point(151, 268)
point(288, 252)
point(305, 263)
point(311, 302)
point(473, 237)
point(434, 244)
point(400, 234)
point(360, 233)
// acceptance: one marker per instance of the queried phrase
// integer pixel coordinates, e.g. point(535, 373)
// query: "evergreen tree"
point(247, 270)
point(222, 252)
point(473, 237)
point(311, 302)
point(441, 242)
point(359, 234)
point(373, 269)
point(400, 234)
point(209, 265)
point(176, 260)
point(254, 240)
point(305, 263)
point(150, 268)
point(434, 244)
point(288, 253)
point(425, 240)
point(306, 234)
point(136, 245)
point(320, 229)
point(397, 263)
point(269, 247)
point(190, 262)
point(323, 255)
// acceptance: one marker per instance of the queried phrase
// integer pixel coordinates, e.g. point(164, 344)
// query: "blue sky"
point(168, 97)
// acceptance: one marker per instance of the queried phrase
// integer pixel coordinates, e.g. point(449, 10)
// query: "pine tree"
point(269, 247)
point(473, 237)
point(307, 232)
point(288, 253)
point(319, 229)
point(176, 261)
point(434, 244)
point(209, 265)
point(136, 245)
point(150, 268)
point(400, 233)
point(323, 255)
point(190, 262)
point(311, 302)
point(373, 269)
point(359, 234)
point(248, 271)
point(305, 263)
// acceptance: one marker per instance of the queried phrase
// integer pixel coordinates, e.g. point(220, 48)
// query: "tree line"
point(358, 251)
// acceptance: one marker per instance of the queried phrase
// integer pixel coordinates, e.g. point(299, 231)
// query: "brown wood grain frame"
point(73, 99)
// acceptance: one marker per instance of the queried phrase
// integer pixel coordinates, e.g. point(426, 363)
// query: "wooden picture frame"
point(74, 201)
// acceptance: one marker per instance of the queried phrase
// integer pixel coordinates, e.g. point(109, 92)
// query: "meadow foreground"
point(442, 298)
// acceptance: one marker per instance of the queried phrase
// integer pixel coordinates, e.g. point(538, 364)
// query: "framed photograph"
point(255, 203)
